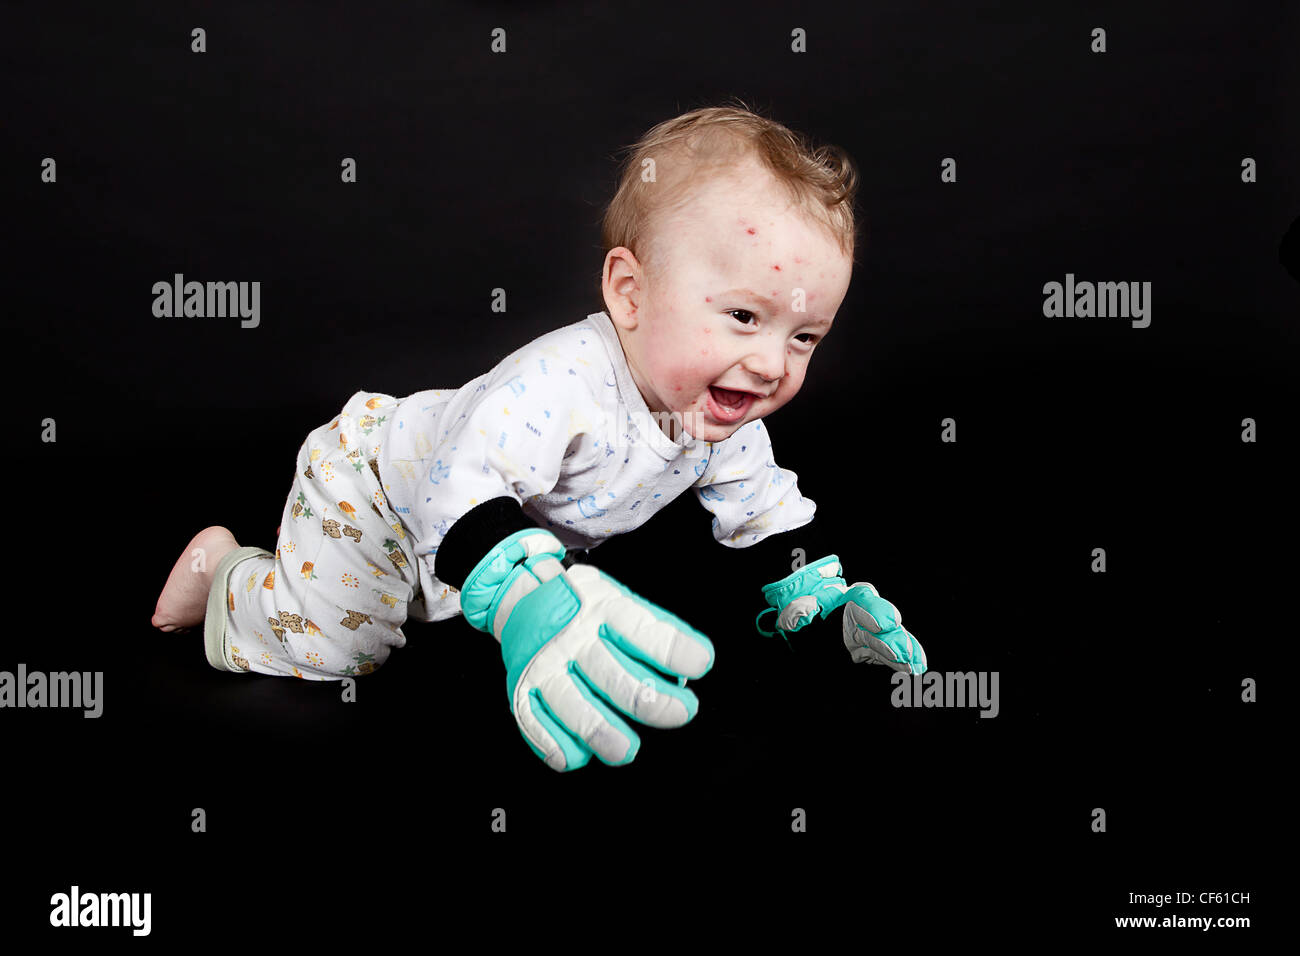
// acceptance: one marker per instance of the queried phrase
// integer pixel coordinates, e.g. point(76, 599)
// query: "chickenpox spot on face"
point(752, 231)
point(708, 298)
point(776, 267)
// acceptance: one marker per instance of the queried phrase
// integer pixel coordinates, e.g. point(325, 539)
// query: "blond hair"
point(693, 148)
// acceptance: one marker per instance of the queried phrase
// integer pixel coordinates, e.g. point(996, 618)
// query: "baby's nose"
point(768, 362)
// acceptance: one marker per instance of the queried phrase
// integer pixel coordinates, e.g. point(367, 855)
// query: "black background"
point(476, 171)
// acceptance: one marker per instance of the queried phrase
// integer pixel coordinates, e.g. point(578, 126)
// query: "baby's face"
point(743, 291)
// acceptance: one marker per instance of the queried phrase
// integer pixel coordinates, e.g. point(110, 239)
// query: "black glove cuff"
point(474, 534)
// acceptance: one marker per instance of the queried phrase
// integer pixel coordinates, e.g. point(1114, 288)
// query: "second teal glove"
point(872, 627)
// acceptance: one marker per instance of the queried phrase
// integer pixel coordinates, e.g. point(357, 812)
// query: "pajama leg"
point(331, 602)
point(217, 630)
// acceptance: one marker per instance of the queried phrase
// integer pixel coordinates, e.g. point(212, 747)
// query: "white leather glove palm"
point(580, 648)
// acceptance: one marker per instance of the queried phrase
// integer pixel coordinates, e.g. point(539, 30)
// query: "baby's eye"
point(741, 312)
point(809, 338)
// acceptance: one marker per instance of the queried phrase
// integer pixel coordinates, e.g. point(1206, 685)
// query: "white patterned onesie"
point(558, 426)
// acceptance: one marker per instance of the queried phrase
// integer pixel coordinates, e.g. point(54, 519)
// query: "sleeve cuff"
point(771, 560)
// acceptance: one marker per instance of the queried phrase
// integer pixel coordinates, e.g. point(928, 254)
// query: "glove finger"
point(634, 688)
point(588, 718)
point(905, 648)
point(919, 662)
point(641, 629)
point(879, 652)
point(546, 736)
point(862, 644)
point(892, 650)
point(880, 615)
point(859, 624)
point(895, 648)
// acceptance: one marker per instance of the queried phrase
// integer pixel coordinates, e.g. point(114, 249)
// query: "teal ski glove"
point(578, 645)
point(872, 627)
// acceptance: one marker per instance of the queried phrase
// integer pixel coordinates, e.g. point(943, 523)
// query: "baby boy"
point(729, 251)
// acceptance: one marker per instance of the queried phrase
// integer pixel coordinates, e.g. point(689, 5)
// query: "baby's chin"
point(715, 433)
point(703, 428)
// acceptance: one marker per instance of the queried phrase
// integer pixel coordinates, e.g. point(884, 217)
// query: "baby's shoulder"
point(569, 362)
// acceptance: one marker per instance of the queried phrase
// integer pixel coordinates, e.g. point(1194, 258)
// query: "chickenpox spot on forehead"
point(776, 267)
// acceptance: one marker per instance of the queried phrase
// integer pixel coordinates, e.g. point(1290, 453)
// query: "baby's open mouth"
point(728, 405)
point(729, 398)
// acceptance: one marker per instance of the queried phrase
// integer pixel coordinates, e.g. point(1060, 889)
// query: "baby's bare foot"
point(184, 599)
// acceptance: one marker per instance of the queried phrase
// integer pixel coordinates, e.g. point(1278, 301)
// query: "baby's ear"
point(621, 280)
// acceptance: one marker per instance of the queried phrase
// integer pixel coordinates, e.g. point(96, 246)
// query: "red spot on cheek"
point(752, 231)
point(708, 298)
point(776, 267)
